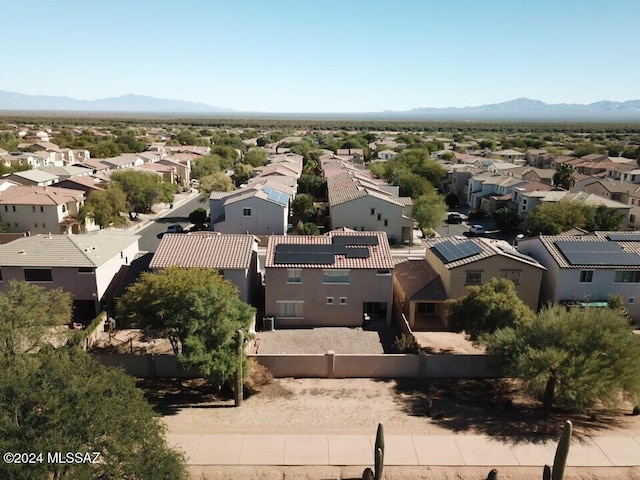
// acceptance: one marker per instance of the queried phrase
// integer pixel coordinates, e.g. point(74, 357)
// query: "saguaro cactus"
point(562, 452)
point(379, 452)
point(239, 375)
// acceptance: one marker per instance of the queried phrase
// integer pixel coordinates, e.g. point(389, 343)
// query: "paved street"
point(152, 224)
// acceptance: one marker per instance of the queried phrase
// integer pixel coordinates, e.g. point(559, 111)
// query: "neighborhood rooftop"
point(343, 249)
point(206, 250)
point(89, 250)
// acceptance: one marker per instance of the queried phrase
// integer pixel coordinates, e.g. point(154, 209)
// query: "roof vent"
point(22, 252)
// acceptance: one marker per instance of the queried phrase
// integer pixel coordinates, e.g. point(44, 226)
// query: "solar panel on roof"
point(304, 258)
point(620, 237)
point(596, 253)
point(356, 252)
point(515, 253)
point(452, 252)
point(355, 240)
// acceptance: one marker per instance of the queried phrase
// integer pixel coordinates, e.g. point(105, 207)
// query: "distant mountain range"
point(124, 104)
point(518, 109)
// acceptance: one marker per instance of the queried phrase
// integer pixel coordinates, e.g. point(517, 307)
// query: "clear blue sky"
point(324, 55)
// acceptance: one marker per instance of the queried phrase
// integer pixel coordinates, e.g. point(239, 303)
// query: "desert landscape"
point(355, 406)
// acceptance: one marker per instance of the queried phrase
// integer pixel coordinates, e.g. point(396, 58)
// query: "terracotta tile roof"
point(379, 255)
point(203, 249)
point(35, 195)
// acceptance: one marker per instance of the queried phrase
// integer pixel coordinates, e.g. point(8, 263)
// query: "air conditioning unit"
point(268, 324)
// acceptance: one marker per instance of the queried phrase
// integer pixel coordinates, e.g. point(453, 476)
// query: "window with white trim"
point(38, 275)
point(343, 300)
point(294, 275)
point(246, 212)
point(329, 300)
point(336, 276)
point(294, 309)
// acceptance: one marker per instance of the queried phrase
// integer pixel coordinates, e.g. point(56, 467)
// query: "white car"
point(476, 230)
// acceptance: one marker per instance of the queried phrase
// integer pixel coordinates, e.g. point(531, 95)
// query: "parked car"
point(455, 218)
point(175, 228)
point(476, 230)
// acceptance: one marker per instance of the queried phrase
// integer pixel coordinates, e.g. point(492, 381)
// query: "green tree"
point(205, 166)
point(429, 209)
point(565, 176)
point(303, 207)
point(506, 218)
point(256, 157)
point(606, 219)
point(487, 308)
point(241, 173)
point(487, 144)
point(197, 310)
point(313, 185)
point(452, 200)
point(308, 228)
point(552, 218)
point(571, 358)
point(198, 216)
point(27, 313)
point(217, 182)
point(143, 190)
point(64, 401)
point(104, 207)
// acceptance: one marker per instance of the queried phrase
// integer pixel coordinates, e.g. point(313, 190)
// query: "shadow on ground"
point(494, 408)
point(169, 395)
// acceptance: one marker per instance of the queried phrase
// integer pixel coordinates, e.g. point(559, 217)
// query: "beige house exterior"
point(83, 265)
point(452, 265)
point(329, 280)
point(42, 210)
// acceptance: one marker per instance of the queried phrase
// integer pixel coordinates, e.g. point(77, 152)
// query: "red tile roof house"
point(42, 210)
point(235, 256)
point(329, 280)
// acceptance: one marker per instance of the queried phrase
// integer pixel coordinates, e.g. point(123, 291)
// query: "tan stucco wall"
point(364, 286)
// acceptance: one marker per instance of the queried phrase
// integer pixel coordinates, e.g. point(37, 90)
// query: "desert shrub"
point(259, 377)
point(406, 344)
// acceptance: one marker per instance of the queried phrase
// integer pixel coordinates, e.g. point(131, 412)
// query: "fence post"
point(331, 364)
point(422, 365)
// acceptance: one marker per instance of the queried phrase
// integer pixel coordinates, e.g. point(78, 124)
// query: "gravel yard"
point(321, 340)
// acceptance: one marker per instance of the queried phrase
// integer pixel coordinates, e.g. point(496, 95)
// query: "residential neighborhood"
point(338, 264)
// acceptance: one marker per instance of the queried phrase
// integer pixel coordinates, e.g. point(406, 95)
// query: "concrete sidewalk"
point(400, 450)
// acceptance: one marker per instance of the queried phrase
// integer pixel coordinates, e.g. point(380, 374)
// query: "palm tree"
point(565, 176)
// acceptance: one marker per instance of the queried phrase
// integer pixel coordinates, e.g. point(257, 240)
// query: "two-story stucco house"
point(329, 280)
point(83, 265)
point(234, 256)
point(450, 266)
point(42, 209)
point(259, 210)
point(588, 268)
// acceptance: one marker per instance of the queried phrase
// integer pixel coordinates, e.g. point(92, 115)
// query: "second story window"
point(513, 275)
point(246, 212)
point(473, 278)
point(38, 275)
point(294, 275)
point(630, 276)
point(586, 276)
point(336, 276)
